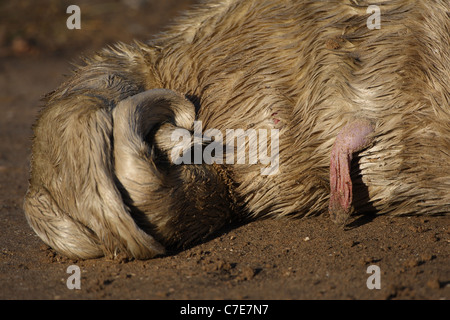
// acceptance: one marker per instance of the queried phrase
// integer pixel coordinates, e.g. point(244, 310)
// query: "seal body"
point(332, 88)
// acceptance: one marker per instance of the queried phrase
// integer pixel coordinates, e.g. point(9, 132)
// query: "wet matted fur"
point(102, 181)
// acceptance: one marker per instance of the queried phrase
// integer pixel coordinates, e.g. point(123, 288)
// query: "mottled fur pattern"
point(102, 182)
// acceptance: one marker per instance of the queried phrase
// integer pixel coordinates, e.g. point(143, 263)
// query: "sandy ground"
point(281, 259)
